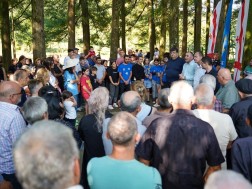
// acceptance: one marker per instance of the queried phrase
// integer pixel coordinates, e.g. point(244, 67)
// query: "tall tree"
point(197, 25)
point(207, 23)
point(248, 42)
point(115, 28)
point(152, 33)
point(174, 24)
point(185, 27)
point(123, 24)
point(85, 26)
point(38, 36)
point(219, 40)
point(164, 7)
point(71, 23)
point(5, 32)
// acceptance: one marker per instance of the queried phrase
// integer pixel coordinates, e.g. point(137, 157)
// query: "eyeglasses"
point(17, 93)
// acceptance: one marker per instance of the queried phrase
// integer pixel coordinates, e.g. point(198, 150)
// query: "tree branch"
point(22, 13)
point(137, 19)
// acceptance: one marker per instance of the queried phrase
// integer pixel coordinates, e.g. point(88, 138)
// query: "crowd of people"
point(177, 122)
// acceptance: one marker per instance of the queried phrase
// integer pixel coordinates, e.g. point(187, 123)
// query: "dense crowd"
point(177, 122)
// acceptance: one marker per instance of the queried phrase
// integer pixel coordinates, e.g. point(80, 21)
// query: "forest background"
point(39, 28)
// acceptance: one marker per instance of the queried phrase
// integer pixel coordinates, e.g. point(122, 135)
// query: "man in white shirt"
point(189, 68)
point(222, 123)
point(199, 72)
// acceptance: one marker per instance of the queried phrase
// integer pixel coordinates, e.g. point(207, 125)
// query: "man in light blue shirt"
point(199, 72)
point(12, 127)
point(189, 68)
point(120, 169)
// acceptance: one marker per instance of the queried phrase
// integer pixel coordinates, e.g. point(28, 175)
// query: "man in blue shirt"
point(125, 73)
point(174, 66)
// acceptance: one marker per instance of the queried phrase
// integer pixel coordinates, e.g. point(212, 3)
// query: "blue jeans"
point(113, 93)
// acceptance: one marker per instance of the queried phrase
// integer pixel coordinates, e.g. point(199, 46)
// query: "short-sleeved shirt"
point(100, 71)
point(113, 73)
point(106, 172)
point(85, 81)
point(223, 127)
point(72, 87)
point(228, 94)
point(125, 70)
point(179, 145)
point(70, 110)
point(156, 71)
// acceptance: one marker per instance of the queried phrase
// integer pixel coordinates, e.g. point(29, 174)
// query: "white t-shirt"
point(70, 110)
point(223, 127)
point(144, 112)
point(108, 144)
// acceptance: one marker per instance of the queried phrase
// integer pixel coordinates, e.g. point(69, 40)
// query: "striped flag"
point(214, 23)
point(240, 37)
point(226, 34)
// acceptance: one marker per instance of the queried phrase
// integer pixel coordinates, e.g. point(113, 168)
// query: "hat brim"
point(69, 64)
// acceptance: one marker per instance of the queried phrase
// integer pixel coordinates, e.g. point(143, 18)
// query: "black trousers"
point(123, 88)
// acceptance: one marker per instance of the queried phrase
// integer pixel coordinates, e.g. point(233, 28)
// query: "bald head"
point(130, 101)
point(121, 128)
point(225, 73)
point(9, 90)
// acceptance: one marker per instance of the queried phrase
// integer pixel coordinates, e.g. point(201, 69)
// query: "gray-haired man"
point(46, 156)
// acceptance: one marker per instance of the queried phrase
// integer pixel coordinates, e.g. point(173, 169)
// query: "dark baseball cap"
point(244, 86)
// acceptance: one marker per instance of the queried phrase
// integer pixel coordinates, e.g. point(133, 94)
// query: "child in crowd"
point(83, 62)
point(147, 79)
point(114, 85)
point(69, 105)
point(155, 71)
point(93, 78)
point(86, 87)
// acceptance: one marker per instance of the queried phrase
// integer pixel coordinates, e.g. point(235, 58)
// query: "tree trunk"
point(115, 29)
point(164, 4)
point(208, 12)
point(85, 26)
point(219, 41)
point(71, 23)
point(123, 25)
point(5, 33)
point(38, 37)
point(152, 33)
point(174, 24)
point(248, 42)
point(13, 36)
point(197, 25)
point(185, 27)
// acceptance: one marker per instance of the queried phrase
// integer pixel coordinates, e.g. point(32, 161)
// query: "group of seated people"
point(191, 133)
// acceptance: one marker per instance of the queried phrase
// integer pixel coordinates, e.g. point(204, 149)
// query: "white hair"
point(204, 94)
point(208, 79)
point(181, 93)
point(224, 179)
point(98, 103)
point(34, 109)
point(44, 156)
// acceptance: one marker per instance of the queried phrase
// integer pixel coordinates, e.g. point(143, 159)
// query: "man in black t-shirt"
point(180, 145)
